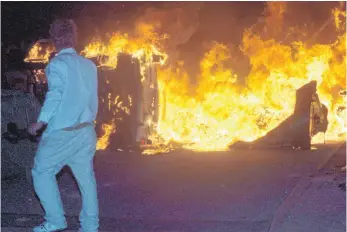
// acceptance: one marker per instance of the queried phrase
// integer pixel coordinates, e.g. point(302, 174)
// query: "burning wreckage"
point(128, 96)
point(310, 117)
point(290, 96)
point(129, 105)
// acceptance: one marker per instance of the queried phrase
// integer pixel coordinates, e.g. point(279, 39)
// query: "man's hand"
point(34, 127)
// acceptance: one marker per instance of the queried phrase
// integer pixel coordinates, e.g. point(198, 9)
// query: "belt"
point(77, 127)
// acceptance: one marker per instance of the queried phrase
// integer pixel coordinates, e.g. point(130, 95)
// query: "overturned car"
point(128, 97)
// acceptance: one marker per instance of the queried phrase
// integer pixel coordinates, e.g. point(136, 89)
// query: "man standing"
point(69, 112)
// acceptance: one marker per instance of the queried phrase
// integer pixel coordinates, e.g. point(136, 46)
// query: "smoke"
point(177, 21)
point(274, 17)
point(180, 21)
point(186, 30)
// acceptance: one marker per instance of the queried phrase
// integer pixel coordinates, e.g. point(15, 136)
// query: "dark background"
point(221, 21)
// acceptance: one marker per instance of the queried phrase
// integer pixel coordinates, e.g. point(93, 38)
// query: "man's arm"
point(56, 73)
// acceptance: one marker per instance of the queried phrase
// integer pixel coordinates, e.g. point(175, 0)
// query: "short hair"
point(63, 33)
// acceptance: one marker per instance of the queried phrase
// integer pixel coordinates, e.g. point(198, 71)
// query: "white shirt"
point(72, 96)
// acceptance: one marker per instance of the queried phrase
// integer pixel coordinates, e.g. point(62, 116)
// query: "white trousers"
point(75, 149)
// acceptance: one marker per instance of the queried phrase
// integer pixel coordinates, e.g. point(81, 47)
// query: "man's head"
point(63, 33)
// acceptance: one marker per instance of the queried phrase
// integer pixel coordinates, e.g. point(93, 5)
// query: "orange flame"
point(40, 53)
point(339, 18)
point(220, 111)
point(144, 44)
point(103, 142)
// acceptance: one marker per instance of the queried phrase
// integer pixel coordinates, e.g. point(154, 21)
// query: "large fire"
point(220, 109)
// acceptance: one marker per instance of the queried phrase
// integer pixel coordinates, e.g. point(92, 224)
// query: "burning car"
point(217, 105)
point(128, 96)
point(128, 103)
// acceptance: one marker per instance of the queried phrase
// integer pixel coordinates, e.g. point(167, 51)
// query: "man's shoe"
point(48, 227)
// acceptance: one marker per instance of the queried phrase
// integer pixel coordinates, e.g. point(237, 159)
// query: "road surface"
point(239, 190)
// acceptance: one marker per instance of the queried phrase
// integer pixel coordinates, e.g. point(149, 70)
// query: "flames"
point(339, 18)
point(103, 141)
point(143, 45)
point(222, 107)
point(40, 52)
point(221, 111)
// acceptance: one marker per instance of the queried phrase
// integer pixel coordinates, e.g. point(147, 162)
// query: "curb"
point(299, 189)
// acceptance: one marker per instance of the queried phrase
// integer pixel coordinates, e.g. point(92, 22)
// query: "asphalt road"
point(238, 190)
